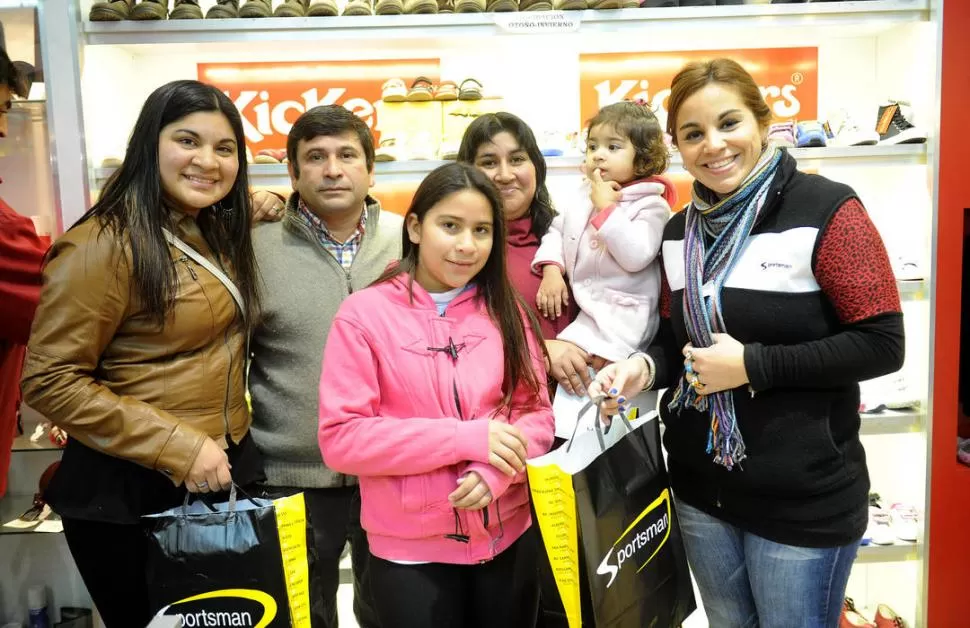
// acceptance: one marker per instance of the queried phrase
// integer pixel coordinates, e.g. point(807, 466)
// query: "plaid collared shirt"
point(343, 252)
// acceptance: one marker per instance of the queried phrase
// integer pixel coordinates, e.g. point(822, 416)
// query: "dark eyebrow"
point(230, 140)
point(720, 117)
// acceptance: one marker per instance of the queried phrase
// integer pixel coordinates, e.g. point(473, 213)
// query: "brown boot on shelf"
point(420, 6)
point(223, 9)
point(535, 5)
point(150, 10)
point(256, 8)
point(389, 7)
point(110, 11)
point(291, 8)
point(359, 7)
point(469, 6)
point(186, 10)
point(323, 8)
point(501, 6)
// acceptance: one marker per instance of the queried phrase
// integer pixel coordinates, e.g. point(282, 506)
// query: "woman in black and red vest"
point(778, 298)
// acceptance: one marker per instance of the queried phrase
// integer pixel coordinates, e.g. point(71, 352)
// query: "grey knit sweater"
point(302, 287)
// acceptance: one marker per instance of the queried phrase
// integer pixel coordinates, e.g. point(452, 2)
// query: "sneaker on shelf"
point(843, 130)
point(852, 619)
point(894, 127)
point(880, 531)
point(887, 618)
point(782, 134)
point(448, 151)
point(888, 392)
point(809, 134)
point(905, 522)
point(389, 149)
point(907, 269)
point(421, 148)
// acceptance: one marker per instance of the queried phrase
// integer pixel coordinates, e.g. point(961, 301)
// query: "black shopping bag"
point(238, 563)
point(609, 528)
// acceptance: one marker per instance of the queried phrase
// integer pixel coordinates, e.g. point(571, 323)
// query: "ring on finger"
point(202, 485)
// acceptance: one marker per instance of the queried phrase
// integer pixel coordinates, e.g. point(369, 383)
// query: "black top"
point(814, 300)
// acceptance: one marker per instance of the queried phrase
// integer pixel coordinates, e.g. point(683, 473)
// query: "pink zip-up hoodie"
point(405, 400)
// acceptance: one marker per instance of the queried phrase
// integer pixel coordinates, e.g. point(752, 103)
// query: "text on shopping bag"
point(228, 607)
point(643, 540)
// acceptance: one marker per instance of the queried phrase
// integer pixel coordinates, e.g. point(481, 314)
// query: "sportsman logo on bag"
point(227, 607)
point(641, 541)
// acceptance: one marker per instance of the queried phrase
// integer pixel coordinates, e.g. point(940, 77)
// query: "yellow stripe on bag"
point(291, 525)
point(555, 504)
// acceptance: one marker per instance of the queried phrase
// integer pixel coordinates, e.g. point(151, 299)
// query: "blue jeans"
point(749, 582)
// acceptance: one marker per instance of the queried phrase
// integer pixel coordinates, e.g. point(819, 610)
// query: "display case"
point(812, 59)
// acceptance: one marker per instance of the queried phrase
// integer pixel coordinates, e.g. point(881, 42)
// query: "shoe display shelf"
point(667, 25)
point(272, 175)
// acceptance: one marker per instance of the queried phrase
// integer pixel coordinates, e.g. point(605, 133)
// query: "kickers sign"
point(788, 78)
point(271, 96)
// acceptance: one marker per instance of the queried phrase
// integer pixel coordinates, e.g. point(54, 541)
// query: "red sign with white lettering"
point(271, 96)
point(788, 78)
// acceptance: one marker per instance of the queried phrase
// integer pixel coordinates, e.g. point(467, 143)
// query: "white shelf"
point(824, 19)
point(273, 175)
point(899, 552)
point(892, 422)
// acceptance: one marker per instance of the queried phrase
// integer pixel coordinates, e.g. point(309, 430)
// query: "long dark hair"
point(483, 129)
point(505, 307)
point(131, 206)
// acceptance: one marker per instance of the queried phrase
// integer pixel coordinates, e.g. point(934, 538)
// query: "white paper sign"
point(536, 22)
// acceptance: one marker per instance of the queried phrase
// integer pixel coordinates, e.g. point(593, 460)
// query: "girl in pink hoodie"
point(432, 393)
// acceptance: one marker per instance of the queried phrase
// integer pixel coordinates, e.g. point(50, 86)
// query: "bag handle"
point(233, 498)
point(598, 402)
point(178, 243)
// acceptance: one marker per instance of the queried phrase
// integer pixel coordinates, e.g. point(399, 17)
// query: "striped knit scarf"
point(729, 221)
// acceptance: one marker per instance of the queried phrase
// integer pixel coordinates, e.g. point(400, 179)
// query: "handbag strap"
point(178, 243)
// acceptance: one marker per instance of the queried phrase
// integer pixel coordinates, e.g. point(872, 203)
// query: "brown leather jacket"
point(98, 367)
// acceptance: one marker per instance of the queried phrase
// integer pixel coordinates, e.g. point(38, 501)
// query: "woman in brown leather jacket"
point(138, 346)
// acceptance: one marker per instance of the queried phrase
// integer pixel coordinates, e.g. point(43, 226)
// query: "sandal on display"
point(501, 6)
point(446, 90)
point(110, 11)
point(358, 7)
point(394, 90)
point(535, 5)
point(150, 10)
point(291, 8)
point(469, 6)
point(223, 9)
point(421, 89)
point(470, 89)
point(323, 8)
point(256, 8)
point(446, 6)
point(570, 5)
point(389, 7)
point(421, 147)
point(415, 7)
point(186, 10)
point(267, 156)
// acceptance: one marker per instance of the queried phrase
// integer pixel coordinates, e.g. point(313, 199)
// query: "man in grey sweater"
point(333, 239)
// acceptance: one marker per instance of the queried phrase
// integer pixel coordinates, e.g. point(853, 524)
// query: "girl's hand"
point(472, 493)
point(553, 296)
point(506, 448)
point(716, 368)
point(603, 193)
